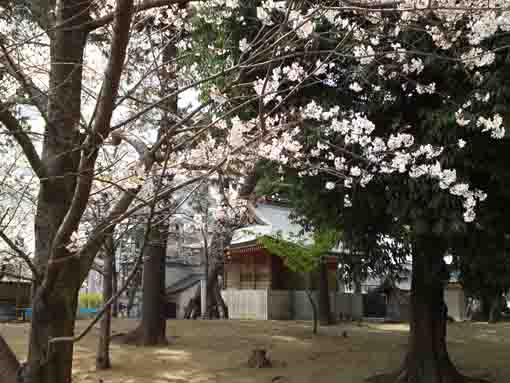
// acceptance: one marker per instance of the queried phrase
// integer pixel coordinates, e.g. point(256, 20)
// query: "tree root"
point(137, 338)
point(403, 377)
point(259, 359)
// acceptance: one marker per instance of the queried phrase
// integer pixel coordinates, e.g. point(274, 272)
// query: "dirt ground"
point(217, 351)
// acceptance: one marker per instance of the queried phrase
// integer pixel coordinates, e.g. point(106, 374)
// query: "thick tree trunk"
point(222, 306)
point(207, 310)
point(131, 293)
point(60, 274)
point(427, 359)
point(495, 309)
point(324, 303)
point(103, 351)
point(54, 308)
point(216, 307)
point(152, 329)
point(53, 316)
point(8, 363)
point(192, 310)
point(357, 286)
point(153, 326)
point(485, 308)
point(490, 308)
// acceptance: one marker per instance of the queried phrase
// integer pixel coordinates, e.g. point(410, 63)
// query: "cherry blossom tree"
point(372, 92)
point(76, 56)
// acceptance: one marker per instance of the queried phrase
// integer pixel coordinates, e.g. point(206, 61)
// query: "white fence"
point(287, 304)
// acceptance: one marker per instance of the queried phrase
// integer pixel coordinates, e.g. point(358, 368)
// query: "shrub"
point(90, 300)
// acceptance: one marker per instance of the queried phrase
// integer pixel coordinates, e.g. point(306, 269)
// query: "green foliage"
point(90, 300)
point(297, 256)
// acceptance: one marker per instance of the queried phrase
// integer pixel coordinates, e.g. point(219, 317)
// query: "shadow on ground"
point(217, 351)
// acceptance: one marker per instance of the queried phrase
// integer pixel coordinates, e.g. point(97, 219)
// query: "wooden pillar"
point(270, 268)
point(254, 264)
point(241, 268)
point(226, 270)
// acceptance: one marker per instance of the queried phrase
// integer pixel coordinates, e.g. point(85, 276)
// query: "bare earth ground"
point(217, 351)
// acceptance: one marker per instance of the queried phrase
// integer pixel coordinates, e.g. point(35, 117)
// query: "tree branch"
point(143, 6)
point(41, 11)
point(140, 146)
point(37, 96)
point(372, 4)
point(20, 254)
point(103, 229)
point(13, 126)
point(101, 128)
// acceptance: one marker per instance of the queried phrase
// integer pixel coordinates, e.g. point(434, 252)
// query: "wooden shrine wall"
point(255, 268)
point(248, 269)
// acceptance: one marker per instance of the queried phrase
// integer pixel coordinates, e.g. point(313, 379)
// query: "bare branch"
point(140, 146)
point(20, 254)
point(102, 230)
point(109, 91)
point(143, 6)
point(372, 4)
point(37, 96)
point(110, 87)
point(13, 126)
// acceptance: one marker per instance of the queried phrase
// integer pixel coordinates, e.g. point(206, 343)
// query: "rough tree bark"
point(495, 309)
point(490, 308)
point(103, 352)
point(325, 316)
point(54, 309)
point(8, 363)
point(207, 313)
point(152, 328)
point(63, 196)
point(115, 288)
point(153, 325)
point(222, 306)
point(216, 307)
point(427, 359)
point(485, 308)
point(131, 293)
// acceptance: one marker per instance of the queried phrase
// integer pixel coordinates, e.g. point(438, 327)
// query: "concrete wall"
point(287, 304)
point(279, 304)
point(349, 306)
point(301, 309)
point(456, 302)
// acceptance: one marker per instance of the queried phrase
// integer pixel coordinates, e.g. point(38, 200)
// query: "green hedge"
point(90, 300)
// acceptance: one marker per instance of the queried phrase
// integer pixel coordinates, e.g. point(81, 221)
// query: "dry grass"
point(217, 351)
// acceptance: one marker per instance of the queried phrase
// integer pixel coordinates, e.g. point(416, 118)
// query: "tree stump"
point(259, 359)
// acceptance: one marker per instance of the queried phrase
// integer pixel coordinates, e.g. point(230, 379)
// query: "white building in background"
point(93, 283)
point(184, 260)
